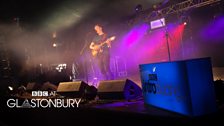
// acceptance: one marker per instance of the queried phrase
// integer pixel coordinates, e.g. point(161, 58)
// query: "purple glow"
point(135, 35)
point(190, 49)
point(140, 46)
point(214, 31)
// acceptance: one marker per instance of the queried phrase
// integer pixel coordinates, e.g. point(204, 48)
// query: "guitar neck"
point(101, 44)
point(110, 39)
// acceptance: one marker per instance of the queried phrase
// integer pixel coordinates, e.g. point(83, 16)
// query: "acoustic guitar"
point(97, 47)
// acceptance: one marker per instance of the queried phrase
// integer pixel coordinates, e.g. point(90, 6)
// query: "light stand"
point(167, 39)
point(167, 43)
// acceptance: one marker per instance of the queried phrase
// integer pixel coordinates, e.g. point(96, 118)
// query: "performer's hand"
point(92, 45)
point(112, 38)
point(109, 44)
point(109, 41)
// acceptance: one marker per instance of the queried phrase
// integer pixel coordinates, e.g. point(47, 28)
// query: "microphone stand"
point(167, 40)
point(85, 61)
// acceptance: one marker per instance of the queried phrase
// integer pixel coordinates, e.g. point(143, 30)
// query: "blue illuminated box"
point(184, 87)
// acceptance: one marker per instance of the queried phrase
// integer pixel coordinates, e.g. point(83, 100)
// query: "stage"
point(94, 63)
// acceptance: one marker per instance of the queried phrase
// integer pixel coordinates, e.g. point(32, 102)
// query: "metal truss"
point(147, 15)
point(183, 6)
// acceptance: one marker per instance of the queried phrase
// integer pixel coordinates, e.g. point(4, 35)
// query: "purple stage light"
point(138, 46)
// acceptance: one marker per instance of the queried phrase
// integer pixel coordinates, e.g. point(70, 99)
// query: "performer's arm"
point(109, 41)
point(109, 44)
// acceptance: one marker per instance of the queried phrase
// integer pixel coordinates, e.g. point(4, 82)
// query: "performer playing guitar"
point(100, 47)
point(97, 48)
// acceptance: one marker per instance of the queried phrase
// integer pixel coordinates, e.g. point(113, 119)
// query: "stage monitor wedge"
point(77, 89)
point(119, 90)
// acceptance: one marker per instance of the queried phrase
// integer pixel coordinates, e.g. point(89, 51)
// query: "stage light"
point(158, 23)
point(10, 88)
point(184, 19)
point(54, 45)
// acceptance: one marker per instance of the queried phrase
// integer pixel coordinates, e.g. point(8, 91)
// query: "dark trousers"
point(104, 65)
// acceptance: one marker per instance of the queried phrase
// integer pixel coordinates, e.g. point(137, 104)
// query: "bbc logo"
point(39, 93)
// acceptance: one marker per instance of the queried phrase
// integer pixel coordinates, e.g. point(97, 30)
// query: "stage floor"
point(105, 113)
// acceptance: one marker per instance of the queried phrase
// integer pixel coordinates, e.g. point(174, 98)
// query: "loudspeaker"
point(47, 86)
point(77, 89)
point(118, 90)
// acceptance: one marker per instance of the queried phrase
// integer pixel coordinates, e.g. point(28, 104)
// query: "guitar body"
point(95, 52)
point(98, 48)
